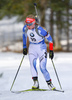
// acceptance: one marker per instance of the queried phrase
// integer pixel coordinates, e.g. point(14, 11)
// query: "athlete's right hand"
point(25, 51)
point(51, 54)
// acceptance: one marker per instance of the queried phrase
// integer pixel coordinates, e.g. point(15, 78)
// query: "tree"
point(59, 7)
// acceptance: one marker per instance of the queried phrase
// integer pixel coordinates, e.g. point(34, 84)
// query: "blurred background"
point(54, 15)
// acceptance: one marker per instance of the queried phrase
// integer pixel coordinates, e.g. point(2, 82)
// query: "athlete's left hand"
point(51, 54)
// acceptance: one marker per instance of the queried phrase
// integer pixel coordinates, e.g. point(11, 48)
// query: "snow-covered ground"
point(9, 63)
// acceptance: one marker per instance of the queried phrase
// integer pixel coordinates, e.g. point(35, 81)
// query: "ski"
point(57, 90)
point(36, 90)
point(29, 90)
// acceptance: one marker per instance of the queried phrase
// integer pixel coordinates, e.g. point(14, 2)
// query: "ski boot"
point(50, 85)
point(36, 83)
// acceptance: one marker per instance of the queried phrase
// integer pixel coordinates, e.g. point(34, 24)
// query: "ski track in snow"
point(9, 63)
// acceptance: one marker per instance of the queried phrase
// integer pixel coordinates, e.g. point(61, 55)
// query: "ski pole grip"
point(35, 4)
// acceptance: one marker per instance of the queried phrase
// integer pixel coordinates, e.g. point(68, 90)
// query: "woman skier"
point(37, 49)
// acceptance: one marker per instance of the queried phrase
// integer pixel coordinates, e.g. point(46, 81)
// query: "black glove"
point(25, 51)
point(51, 54)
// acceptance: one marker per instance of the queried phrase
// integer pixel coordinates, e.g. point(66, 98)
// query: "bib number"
point(33, 39)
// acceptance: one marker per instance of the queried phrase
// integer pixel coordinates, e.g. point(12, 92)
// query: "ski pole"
point(56, 74)
point(17, 73)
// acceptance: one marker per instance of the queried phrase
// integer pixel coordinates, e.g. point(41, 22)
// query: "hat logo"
point(28, 21)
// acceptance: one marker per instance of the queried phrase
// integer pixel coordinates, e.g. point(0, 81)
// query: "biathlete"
point(37, 48)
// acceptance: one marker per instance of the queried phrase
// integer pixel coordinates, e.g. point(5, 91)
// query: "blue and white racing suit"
point(37, 48)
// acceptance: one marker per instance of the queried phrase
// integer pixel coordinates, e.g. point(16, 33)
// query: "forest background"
point(55, 16)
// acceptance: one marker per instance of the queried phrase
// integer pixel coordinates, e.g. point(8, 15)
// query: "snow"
point(9, 63)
